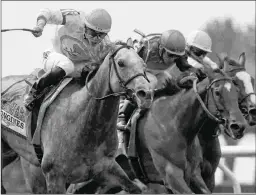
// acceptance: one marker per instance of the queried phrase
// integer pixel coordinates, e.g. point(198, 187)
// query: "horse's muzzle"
point(144, 98)
point(236, 129)
point(252, 115)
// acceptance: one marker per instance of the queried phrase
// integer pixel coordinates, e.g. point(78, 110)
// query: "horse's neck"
point(99, 111)
point(192, 112)
point(208, 130)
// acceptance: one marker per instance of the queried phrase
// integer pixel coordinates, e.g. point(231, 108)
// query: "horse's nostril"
point(252, 111)
point(234, 127)
point(141, 93)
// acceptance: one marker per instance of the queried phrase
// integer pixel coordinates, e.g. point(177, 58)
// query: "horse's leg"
point(197, 183)
point(88, 187)
point(211, 160)
point(111, 174)
point(34, 177)
point(122, 160)
point(173, 175)
point(8, 156)
point(195, 159)
point(55, 179)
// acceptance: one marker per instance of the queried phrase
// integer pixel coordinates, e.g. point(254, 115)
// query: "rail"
point(231, 152)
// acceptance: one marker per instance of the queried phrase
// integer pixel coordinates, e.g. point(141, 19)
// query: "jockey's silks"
point(69, 36)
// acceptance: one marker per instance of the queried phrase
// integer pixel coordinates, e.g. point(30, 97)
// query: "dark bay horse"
point(208, 135)
point(169, 128)
point(245, 84)
point(78, 135)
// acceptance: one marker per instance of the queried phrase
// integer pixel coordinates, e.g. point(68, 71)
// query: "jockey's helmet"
point(98, 23)
point(200, 40)
point(173, 42)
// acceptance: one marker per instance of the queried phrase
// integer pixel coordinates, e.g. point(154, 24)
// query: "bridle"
point(217, 116)
point(247, 95)
point(129, 93)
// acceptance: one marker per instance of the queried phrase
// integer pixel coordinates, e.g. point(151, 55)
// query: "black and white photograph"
point(128, 97)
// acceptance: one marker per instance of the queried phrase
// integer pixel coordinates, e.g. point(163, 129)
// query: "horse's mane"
point(120, 43)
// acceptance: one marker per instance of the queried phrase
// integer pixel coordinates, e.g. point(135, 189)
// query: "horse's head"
point(128, 74)
point(244, 83)
point(222, 100)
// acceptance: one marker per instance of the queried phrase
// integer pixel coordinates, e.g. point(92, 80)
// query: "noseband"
point(217, 117)
point(128, 92)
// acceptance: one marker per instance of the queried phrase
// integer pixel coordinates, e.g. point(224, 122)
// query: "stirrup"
point(121, 127)
point(29, 106)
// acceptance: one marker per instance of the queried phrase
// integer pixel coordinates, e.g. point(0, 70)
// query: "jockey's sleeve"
point(107, 47)
point(182, 63)
point(58, 16)
point(208, 61)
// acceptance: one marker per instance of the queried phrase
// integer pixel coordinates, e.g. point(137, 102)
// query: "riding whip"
point(23, 29)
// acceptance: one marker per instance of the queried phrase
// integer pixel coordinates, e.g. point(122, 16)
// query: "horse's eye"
point(243, 109)
point(217, 92)
point(120, 63)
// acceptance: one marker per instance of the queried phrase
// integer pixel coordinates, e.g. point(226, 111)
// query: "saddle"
point(133, 143)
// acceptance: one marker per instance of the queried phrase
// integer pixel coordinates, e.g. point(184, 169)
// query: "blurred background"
point(231, 25)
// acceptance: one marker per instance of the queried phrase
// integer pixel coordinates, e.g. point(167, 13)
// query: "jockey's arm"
point(183, 65)
point(209, 62)
point(108, 46)
point(57, 16)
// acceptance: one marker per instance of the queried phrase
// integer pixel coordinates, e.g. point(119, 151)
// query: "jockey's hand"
point(38, 31)
point(200, 74)
point(185, 80)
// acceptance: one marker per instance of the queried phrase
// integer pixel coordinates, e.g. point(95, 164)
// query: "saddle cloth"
point(14, 114)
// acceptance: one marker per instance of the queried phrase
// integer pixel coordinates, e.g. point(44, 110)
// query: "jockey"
point(164, 51)
point(80, 44)
point(199, 43)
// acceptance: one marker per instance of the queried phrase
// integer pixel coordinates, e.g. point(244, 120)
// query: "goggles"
point(94, 35)
point(198, 52)
point(170, 55)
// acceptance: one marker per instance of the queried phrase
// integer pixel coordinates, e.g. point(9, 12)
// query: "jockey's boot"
point(124, 114)
point(49, 78)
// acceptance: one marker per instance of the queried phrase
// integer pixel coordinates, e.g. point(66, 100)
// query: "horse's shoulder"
point(160, 104)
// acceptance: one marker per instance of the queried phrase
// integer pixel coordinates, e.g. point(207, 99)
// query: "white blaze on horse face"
point(228, 86)
point(246, 79)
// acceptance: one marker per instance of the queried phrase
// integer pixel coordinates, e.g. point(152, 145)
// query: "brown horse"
point(245, 83)
point(78, 135)
point(208, 135)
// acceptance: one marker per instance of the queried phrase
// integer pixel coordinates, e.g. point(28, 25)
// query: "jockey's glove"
point(199, 73)
point(185, 79)
point(37, 31)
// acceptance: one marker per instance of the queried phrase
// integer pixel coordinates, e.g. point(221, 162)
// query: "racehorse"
point(208, 135)
point(172, 123)
point(78, 135)
point(210, 148)
point(245, 83)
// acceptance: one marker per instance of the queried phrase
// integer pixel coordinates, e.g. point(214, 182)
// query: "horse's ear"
point(242, 59)
point(129, 42)
point(221, 57)
point(226, 67)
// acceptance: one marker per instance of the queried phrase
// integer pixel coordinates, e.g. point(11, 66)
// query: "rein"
point(128, 92)
point(218, 120)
